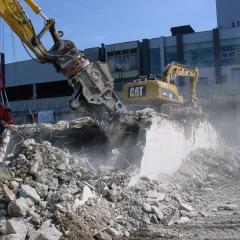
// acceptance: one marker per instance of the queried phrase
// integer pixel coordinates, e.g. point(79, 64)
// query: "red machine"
point(5, 112)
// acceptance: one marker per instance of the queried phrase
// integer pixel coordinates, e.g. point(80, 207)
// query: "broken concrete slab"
point(8, 194)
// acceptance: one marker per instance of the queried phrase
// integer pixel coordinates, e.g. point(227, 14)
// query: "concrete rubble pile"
point(48, 193)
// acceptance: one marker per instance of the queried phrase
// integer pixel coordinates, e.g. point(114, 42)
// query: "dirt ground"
point(217, 225)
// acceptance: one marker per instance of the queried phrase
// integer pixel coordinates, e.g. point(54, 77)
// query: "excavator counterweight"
point(162, 94)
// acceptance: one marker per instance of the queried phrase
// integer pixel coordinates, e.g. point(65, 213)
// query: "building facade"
point(35, 88)
point(228, 13)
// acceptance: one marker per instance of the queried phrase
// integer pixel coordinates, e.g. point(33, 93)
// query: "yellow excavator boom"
point(174, 70)
point(33, 6)
point(93, 81)
point(12, 12)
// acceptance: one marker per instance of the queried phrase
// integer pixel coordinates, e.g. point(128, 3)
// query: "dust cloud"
point(167, 146)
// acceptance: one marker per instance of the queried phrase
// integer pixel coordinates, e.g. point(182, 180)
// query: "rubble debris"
point(102, 236)
point(185, 207)
point(153, 195)
point(228, 207)
point(172, 218)
point(183, 220)
point(18, 208)
point(16, 227)
point(29, 192)
point(5, 175)
point(8, 194)
point(158, 213)
point(59, 192)
point(46, 232)
point(204, 214)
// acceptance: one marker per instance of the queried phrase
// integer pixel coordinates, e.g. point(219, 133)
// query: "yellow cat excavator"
point(91, 82)
point(162, 94)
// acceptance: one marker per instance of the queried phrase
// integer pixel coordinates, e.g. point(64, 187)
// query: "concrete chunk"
point(102, 236)
point(5, 175)
point(41, 189)
point(29, 192)
point(147, 207)
point(185, 207)
point(153, 219)
point(12, 237)
point(18, 208)
point(16, 227)
point(158, 213)
point(46, 233)
point(8, 194)
point(113, 232)
point(172, 218)
point(228, 207)
point(183, 220)
point(153, 195)
point(28, 142)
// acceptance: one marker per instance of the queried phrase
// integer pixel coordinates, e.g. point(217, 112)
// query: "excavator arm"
point(91, 80)
point(174, 70)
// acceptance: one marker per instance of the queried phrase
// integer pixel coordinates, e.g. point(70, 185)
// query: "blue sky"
point(91, 22)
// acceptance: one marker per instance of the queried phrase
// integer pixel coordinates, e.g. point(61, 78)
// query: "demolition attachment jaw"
point(90, 81)
point(95, 84)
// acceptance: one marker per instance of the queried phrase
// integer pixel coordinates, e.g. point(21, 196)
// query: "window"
point(171, 54)
point(155, 61)
point(232, 54)
point(228, 54)
point(20, 93)
point(224, 78)
point(125, 60)
point(230, 51)
point(54, 89)
point(109, 54)
point(236, 24)
point(203, 81)
point(236, 75)
point(199, 54)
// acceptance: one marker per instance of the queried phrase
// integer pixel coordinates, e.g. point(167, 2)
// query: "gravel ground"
point(218, 224)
